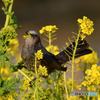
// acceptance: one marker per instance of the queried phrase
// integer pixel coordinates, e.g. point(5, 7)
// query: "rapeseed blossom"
point(86, 26)
point(13, 43)
point(89, 59)
point(9, 96)
point(53, 48)
point(42, 70)
point(5, 72)
point(26, 85)
point(92, 77)
point(39, 54)
point(49, 28)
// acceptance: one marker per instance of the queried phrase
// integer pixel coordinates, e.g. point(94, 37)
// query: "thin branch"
point(46, 40)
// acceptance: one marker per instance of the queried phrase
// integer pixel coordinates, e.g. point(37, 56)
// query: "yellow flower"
point(41, 31)
point(90, 58)
point(49, 28)
point(13, 46)
point(83, 25)
point(88, 72)
point(24, 36)
point(80, 20)
point(26, 85)
point(84, 83)
point(15, 94)
point(93, 88)
point(92, 77)
point(8, 96)
point(50, 81)
point(39, 54)
point(86, 26)
point(42, 70)
point(40, 80)
point(54, 49)
point(5, 72)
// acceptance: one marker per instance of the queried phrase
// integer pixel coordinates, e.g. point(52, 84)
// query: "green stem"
point(54, 73)
point(24, 74)
point(65, 85)
point(50, 41)
point(8, 16)
point(36, 89)
point(73, 57)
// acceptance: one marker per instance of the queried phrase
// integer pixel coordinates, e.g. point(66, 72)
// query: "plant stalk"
point(8, 16)
point(36, 84)
point(73, 58)
point(50, 41)
point(24, 74)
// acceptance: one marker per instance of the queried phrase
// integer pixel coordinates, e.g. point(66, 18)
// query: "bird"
point(52, 62)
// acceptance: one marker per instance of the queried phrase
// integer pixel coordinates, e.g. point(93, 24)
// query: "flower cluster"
point(26, 84)
point(54, 49)
point(9, 96)
point(86, 26)
point(92, 77)
point(42, 70)
point(13, 43)
point(89, 59)
point(39, 54)
point(5, 72)
point(9, 31)
point(49, 28)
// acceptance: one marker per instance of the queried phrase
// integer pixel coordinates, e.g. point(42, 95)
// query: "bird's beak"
point(27, 32)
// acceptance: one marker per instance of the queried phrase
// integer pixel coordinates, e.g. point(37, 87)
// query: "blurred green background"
point(34, 14)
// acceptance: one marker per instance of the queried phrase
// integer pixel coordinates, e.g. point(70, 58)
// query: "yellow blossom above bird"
point(49, 28)
point(86, 26)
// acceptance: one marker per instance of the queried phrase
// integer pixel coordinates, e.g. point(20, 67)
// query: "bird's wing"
point(50, 61)
point(82, 49)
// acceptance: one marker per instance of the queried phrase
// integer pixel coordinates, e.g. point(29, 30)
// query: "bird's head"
point(32, 38)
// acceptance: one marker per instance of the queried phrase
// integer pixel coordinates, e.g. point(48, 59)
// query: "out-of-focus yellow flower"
point(15, 94)
point(50, 81)
point(5, 72)
point(48, 91)
point(42, 70)
point(24, 36)
point(84, 83)
point(54, 49)
point(86, 26)
point(92, 78)
point(13, 46)
point(88, 72)
point(40, 80)
point(8, 96)
point(26, 85)
point(39, 54)
point(90, 58)
point(49, 28)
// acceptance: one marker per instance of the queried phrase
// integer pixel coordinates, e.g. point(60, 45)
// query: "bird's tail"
point(82, 49)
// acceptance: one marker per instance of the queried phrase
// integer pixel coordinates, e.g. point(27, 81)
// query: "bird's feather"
point(66, 55)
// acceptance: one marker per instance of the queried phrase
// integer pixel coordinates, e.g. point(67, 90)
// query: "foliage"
point(15, 83)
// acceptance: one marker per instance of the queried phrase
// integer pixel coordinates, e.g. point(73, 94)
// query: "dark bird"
point(52, 62)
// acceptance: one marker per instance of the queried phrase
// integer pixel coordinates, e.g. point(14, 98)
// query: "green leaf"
point(1, 91)
point(2, 58)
